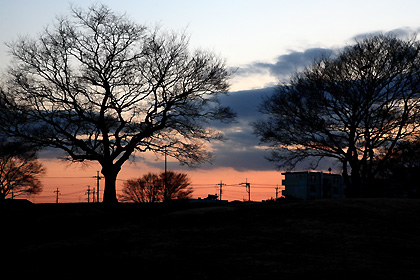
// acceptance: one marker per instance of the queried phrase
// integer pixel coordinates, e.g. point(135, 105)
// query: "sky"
point(263, 41)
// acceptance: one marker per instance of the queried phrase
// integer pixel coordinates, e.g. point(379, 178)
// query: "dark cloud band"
point(285, 64)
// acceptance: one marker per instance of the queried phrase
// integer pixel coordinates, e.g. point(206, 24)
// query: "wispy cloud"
point(295, 60)
point(403, 33)
point(284, 65)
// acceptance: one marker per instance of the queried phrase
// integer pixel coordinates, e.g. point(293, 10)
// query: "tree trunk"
point(110, 191)
point(356, 182)
point(346, 177)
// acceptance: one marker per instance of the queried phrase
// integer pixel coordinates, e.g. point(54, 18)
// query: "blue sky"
point(265, 40)
point(242, 31)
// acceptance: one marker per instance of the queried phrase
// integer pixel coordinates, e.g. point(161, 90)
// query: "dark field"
point(330, 239)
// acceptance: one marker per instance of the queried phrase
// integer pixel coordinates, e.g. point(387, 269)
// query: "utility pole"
point(277, 192)
point(165, 187)
point(88, 193)
point(97, 185)
point(220, 189)
point(248, 188)
point(93, 195)
point(57, 192)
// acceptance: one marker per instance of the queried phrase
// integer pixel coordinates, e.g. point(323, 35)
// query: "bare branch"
point(101, 87)
point(356, 107)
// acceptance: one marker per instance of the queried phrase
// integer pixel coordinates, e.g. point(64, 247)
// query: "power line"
point(262, 187)
point(224, 190)
point(64, 177)
point(235, 191)
point(77, 192)
point(205, 187)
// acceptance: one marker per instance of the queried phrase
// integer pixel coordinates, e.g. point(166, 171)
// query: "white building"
point(313, 185)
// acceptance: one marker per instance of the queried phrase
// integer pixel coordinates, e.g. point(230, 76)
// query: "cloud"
point(240, 151)
point(50, 153)
point(403, 33)
point(286, 64)
point(245, 102)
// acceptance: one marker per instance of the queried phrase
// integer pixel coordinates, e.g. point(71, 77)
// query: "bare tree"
point(148, 188)
point(100, 88)
point(19, 170)
point(356, 107)
point(176, 185)
point(157, 187)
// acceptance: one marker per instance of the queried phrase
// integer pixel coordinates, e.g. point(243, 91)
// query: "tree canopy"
point(355, 106)
point(101, 88)
point(19, 170)
point(153, 187)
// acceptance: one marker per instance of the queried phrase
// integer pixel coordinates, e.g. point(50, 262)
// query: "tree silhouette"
point(148, 188)
point(402, 171)
point(157, 187)
point(19, 170)
point(356, 106)
point(101, 88)
point(175, 185)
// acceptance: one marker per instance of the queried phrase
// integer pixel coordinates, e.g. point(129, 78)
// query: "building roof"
point(308, 172)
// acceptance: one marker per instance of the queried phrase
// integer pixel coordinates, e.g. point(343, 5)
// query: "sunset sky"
point(263, 41)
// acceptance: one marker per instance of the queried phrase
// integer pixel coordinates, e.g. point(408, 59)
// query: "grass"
point(328, 239)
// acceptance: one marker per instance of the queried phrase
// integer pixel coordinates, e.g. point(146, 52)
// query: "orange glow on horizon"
point(73, 180)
